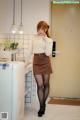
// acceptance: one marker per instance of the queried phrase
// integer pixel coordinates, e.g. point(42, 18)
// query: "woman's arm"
point(48, 46)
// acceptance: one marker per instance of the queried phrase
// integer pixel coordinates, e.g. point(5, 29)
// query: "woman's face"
point(41, 32)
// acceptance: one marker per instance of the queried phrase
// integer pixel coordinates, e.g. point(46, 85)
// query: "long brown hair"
point(43, 25)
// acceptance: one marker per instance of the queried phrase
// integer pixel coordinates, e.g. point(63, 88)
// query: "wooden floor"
point(65, 101)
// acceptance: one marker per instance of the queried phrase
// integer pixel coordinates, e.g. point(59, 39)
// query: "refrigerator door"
point(12, 76)
point(18, 90)
point(6, 90)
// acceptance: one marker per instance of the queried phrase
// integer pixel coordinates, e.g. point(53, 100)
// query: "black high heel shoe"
point(42, 110)
point(40, 113)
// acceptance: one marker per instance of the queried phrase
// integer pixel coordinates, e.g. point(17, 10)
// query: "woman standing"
point(42, 49)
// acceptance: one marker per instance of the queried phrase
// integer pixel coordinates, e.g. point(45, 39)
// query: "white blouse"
point(41, 45)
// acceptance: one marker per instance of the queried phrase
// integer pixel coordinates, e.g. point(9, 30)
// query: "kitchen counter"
point(8, 54)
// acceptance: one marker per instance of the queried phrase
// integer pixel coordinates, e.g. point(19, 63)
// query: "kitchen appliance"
point(12, 78)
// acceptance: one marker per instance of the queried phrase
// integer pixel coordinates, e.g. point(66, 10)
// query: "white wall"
point(33, 11)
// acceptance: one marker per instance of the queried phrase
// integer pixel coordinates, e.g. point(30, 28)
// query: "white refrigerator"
point(12, 78)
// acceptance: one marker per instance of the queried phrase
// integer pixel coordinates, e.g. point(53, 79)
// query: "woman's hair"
point(43, 25)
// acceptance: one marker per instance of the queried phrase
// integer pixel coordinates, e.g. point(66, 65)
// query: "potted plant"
point(13, 45)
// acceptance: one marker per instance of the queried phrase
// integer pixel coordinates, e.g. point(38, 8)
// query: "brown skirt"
point(41, 64)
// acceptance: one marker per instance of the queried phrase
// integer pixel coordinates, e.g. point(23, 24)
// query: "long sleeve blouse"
point(40, 44)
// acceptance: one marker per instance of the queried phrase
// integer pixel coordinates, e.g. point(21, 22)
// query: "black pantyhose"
point(42, 81)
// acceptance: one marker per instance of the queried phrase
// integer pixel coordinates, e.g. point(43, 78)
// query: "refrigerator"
point(12, 78)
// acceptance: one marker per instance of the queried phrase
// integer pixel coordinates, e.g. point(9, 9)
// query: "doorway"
point(65, 80)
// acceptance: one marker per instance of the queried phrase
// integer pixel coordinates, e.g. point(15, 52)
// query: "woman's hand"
point(41, 32)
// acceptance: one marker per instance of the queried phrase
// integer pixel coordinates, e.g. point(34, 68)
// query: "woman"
point(42, 49)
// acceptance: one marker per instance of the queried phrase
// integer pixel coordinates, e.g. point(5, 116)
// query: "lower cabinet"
point(30, 89)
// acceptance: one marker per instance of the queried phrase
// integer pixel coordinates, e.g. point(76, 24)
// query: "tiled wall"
point(23, 40)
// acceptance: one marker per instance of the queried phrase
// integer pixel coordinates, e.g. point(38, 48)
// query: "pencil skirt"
point(41, 64)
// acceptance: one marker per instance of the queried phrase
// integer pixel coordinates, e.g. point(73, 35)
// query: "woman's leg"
point(40, 88)
point(46, 78)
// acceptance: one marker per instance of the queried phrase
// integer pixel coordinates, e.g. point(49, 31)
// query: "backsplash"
point(22, 40)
